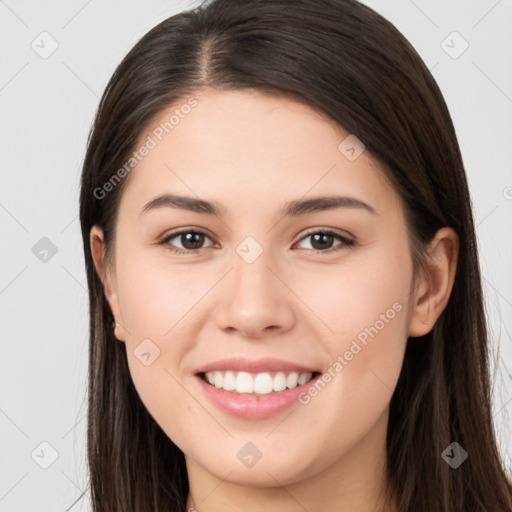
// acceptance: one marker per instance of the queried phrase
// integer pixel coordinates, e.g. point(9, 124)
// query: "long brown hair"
point(346, 60)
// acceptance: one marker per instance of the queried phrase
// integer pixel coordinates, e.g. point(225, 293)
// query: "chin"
point(270, 470)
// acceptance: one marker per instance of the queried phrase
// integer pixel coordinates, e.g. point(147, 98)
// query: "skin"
point(252, 152)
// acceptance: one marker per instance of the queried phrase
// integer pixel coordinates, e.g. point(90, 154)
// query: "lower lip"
point(253, 406)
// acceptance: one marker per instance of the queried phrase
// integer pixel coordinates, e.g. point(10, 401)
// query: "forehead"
point(248, 147)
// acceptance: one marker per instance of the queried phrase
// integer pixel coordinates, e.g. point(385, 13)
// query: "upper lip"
point(267, 364)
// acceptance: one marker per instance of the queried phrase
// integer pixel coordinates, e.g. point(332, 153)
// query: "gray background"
point(46, 109)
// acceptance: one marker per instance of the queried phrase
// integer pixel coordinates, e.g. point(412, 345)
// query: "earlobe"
point(433, 292)
point(97, 245)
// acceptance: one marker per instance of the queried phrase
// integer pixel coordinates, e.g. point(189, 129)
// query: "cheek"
point(154, 303)
point(360, 301)
point(154, 296)
point(365, 309)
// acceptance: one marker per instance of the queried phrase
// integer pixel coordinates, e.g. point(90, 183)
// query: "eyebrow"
point(293, 208)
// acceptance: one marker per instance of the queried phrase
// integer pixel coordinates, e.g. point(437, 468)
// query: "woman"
point(237, 362)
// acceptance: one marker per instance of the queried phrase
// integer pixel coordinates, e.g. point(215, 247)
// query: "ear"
point(107, 277)
point(432, 293)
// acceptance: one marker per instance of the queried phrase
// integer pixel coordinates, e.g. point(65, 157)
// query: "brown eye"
point(322, 241)
point(191, 241)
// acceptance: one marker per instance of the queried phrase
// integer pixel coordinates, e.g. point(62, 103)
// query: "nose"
point(255, 301)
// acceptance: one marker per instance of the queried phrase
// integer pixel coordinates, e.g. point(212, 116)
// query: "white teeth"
point(291, 381)
point(259, 383)
point(263, 384)
point(229, 383)
point(244, 383)
point(304, 377)
point(279, 382)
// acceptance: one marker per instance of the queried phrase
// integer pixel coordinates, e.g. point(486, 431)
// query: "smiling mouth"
point(262, 383)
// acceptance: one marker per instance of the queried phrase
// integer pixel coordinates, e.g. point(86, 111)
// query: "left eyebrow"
point(293, 208)
point(185, 203)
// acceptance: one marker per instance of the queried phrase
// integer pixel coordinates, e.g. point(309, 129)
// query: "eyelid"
point(338, 232)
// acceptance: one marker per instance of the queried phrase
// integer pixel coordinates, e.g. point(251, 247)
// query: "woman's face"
point(270, 298)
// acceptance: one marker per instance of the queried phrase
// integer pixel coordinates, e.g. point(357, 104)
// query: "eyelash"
point(346, 242)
